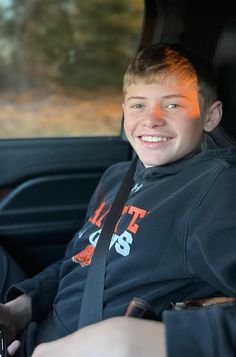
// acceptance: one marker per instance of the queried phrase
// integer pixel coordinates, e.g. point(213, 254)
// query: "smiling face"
point(163, 121)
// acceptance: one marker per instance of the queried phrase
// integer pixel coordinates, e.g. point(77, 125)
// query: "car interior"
point(46, 183)
point(224, 61)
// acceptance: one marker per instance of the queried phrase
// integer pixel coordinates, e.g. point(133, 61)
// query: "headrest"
point(224, 61)
point(225, 51)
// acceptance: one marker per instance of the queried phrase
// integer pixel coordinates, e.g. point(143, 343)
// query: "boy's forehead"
point(171, 77)
point(169, 86)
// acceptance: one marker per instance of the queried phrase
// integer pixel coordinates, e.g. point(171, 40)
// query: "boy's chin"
point(164, 159)
point(153, 163)
point(155, 160)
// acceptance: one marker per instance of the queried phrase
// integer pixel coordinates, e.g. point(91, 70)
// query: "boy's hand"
point(15, 316)
point(7, 323)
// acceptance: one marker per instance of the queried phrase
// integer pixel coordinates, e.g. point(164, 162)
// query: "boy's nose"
point(155, 118)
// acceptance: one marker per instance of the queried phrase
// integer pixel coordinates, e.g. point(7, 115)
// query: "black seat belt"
point(91, 310)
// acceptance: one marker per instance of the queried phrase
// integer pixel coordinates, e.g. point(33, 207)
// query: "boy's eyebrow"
point(174, 96)
point(135, 97)
point(169, 96)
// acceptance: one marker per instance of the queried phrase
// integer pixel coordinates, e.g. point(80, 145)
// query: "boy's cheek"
point(127, 128)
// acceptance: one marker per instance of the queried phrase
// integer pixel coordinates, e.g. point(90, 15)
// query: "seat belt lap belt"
point(91, 310)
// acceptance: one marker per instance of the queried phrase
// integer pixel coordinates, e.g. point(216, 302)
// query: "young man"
point(175, 239)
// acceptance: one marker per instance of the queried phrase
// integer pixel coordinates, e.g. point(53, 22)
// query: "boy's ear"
point(213, 116)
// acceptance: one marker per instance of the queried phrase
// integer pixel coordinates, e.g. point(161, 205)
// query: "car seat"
point(224, 61)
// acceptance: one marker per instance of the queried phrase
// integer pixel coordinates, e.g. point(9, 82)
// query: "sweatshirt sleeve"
point(207, 332)
point(41, 288)
point(211, 237)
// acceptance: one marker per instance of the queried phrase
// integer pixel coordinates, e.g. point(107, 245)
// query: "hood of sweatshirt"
point(146, 174)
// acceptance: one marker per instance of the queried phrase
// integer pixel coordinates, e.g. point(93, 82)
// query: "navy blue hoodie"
point(206, 332)
point(175, 241)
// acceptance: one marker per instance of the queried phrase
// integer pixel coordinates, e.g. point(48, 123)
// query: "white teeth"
point(154, 139)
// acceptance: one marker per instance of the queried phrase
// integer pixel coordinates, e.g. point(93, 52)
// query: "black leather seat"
point(224, 61)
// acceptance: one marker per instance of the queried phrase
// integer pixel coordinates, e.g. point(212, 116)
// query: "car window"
point(61, 65)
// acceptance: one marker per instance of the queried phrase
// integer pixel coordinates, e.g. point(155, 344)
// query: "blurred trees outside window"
point(62, 64)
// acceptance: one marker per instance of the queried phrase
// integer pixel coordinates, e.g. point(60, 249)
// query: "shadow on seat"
point(224, 61)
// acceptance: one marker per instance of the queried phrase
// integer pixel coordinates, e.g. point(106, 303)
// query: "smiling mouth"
point(155, 139)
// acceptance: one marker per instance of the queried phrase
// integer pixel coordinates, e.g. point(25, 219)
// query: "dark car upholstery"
point(224, 61)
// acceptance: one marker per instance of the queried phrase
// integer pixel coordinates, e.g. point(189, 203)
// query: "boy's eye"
point(172, 105)
point(137, 106)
